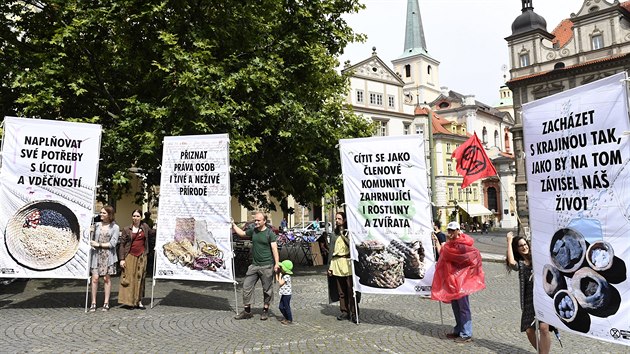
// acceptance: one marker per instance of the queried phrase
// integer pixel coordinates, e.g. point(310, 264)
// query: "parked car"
point(308, 227)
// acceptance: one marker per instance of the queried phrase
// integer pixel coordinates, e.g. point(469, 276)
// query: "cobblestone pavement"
point(47, 315)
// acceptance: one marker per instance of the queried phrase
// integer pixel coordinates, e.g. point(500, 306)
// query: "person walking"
point(132, 252)
point(283, 278)
point(103, 264)
point(264, 264)
point(458, 273)
point(340, 287)
point(519, 258)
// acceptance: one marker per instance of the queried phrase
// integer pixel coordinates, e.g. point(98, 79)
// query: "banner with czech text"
point(577, 157)
point(193, 239)
point(47, 192)
point(389, 214)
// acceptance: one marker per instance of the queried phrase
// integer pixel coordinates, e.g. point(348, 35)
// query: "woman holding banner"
point(519, 258)
point(103, 263)
point(133, 252)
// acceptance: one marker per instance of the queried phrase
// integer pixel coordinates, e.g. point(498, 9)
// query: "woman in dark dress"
point(519, 258)
point(133, 252)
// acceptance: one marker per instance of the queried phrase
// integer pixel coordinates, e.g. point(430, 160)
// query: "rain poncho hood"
point(458, 271)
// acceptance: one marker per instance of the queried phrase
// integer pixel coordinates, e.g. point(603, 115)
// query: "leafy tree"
point(262, 71)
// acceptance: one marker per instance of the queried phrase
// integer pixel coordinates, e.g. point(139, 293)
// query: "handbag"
point(124, 279)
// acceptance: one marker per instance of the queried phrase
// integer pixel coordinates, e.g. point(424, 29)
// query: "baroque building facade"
point(590, 44)
point(395, 99)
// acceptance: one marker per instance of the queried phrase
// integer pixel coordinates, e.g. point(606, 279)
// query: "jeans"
point(463, 317)
point(285, 307)
point(265, 274)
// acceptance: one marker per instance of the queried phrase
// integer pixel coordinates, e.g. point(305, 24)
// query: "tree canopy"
point(262, 71)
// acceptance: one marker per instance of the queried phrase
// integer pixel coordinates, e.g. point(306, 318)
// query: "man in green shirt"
point(264, 265)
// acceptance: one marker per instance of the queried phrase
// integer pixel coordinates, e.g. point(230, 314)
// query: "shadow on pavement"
point(182, 298)
point(52, 300)
point(386, 318)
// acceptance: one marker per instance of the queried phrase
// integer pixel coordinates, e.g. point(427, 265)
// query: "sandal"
point(93, 307)
point(106, 307)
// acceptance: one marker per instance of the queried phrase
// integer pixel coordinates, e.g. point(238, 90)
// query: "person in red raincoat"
point(458, 273)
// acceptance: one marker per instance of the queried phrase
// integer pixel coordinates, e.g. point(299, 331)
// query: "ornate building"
point(591, 44)
point(395, 99)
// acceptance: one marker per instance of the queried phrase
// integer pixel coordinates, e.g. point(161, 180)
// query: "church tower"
point(415, 66)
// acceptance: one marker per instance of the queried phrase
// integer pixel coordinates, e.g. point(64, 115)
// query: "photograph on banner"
point(389, 214)
point(47, 192)
point(193, 241)
point(578, 183)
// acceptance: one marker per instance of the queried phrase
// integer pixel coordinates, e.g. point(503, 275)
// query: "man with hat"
point(458, 273)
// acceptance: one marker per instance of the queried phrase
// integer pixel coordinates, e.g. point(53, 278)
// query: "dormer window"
point(597, 41)
point(443, 105)
point(523, 59)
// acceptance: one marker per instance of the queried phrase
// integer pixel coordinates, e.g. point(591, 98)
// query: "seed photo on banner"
point(47, 193)
point(578, 180)
point(193, 242)
point(389, 214)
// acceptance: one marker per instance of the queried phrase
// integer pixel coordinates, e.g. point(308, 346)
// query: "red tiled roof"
point(563, 33)
point(437, 121)
point(571, 66)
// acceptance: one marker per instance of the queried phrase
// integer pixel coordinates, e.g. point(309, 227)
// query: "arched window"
point(496, 138)
point(429, 69)
point(492, 199)
point(484, 135)
point(507, 140)
point(408, 70)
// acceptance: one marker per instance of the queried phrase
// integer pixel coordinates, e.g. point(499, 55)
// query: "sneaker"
point(243, 315)
point(452, 335)
point(286, 322)
point(463, 339)
point(264, 315)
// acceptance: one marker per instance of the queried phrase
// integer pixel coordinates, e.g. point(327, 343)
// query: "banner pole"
point(87, 293)
point(153, 280)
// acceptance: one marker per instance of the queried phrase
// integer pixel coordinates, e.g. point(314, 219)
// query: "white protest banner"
point(48, 187)
point(578, 182)
point(193, 239)
point(389, 214)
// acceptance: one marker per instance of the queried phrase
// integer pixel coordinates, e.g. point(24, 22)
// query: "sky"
point(467, 37)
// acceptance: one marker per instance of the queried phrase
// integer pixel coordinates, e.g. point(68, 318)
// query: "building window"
point(381, 128)
point(408, 70)
point(429, 70)
point(475, 192)
point(496, 138)
point(448, 148)
point(449, 169)
point(524, 59)
point(376, 99)
point(390, 101)
point(450, 193)
point(484, 136)
point(419, 129)
point(597, 41)
point(406, 129)
point(360, 97)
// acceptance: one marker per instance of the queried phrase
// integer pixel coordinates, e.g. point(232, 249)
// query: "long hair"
point(344, 226)
point(516, 253)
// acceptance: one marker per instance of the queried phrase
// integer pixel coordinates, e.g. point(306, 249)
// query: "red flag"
point(472, 161)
